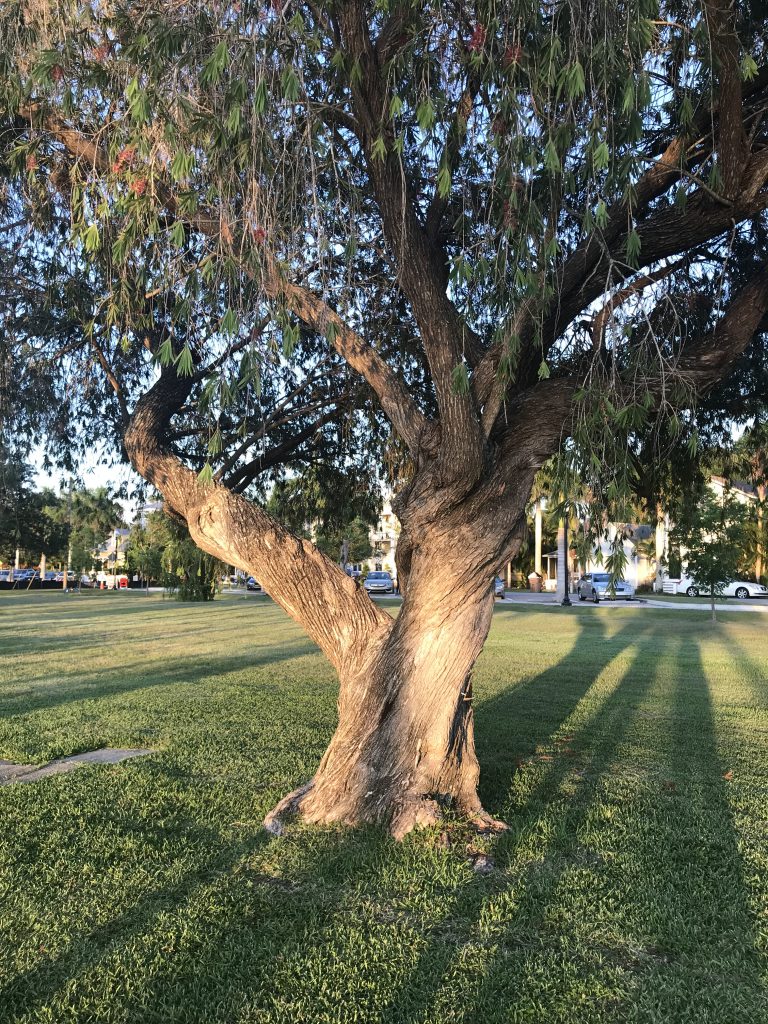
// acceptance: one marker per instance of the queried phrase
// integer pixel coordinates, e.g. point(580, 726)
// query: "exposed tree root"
point(405, 816)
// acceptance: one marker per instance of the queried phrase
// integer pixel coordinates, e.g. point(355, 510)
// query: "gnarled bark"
point(404, 749)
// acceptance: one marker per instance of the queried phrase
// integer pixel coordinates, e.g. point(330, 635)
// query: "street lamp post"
point(566, 602)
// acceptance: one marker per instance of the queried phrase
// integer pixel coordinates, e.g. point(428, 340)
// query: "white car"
point(741, 589)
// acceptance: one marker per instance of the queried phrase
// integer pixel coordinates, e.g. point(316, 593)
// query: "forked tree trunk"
point(404, 750)
point(404, 747)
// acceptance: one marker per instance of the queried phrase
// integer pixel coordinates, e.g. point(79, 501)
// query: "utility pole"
point(566, 602)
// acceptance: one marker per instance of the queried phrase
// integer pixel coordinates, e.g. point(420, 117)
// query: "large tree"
point(489, 226)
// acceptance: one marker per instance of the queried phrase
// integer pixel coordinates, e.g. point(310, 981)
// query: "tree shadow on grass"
point(128, 678)
point(227, 972)
point(626, 900)
point(510, 726)
point(512, 913)
point(689, 880)
point(202, 951)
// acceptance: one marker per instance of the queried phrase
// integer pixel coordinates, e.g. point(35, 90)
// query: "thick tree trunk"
point(404, 750)
point(404, 747)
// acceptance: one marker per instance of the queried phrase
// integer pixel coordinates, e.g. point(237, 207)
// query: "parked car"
point(594, 586)
point(379, 583)
point(499, 588)
point(253, 584)
point(741, 589)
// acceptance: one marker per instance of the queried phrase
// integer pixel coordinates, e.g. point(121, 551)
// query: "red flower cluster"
point(260, 236)
point(102, 51)
point(57, 72)
point(31, 162)
point(138, 186)
point(477, 42)
point(513, 55)
point(124, 159)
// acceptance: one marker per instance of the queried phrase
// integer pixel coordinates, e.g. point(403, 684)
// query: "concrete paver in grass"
point(11, 772)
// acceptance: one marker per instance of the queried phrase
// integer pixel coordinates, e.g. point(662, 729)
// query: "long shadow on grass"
point(690, 877)
point(35, 988)
point(226, 931)
point(553, 831)
point(510, 726)
point(141, 676)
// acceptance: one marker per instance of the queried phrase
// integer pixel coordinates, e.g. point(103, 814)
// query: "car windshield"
point(378, 575)
point(601, 577)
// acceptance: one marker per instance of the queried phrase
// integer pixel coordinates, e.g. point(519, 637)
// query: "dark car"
point(379, 583)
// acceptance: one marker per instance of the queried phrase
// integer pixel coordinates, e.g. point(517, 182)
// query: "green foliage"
point(328, 505)
point(189, 574)
point(714, 541)
point(58, 526)
point(162, 551)
point(331, 540)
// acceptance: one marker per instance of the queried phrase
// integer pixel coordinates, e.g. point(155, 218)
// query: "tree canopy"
point(442, 236)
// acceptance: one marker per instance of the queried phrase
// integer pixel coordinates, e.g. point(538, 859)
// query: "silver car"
point(594, 586)
point(379, 583)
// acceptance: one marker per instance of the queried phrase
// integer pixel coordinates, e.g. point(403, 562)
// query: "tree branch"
point(405, 416)
point(309, 586)
point(421, 274)
point(733, 149)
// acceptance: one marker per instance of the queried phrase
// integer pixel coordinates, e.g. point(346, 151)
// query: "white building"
point(643, 564)
point(384, 536)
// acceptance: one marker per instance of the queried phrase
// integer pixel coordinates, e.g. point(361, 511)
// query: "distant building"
point(384, 536)
point(646, 547)
point(146, 510)
point(113, 551)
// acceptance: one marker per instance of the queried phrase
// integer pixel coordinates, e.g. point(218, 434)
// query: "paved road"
point(550, 601)
point(525, 597)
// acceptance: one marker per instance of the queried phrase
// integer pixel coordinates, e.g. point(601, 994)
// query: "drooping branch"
point(636, 287)
point(307, 584)
point(408, 421)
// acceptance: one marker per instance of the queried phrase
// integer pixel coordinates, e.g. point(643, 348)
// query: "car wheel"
point(581, 596)
point(742, 593)
point(692, 592)
point(595, 598)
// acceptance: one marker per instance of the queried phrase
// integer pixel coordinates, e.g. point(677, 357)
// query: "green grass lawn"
point(627, 749)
